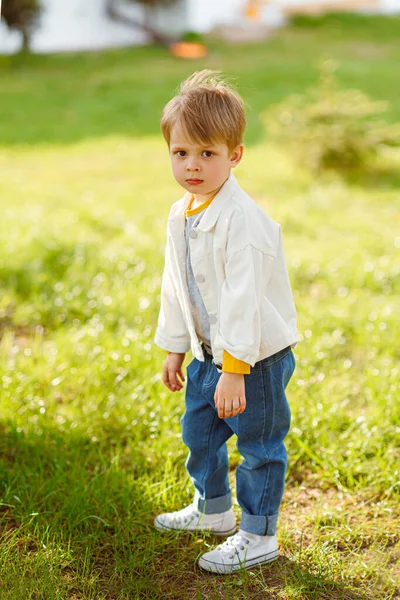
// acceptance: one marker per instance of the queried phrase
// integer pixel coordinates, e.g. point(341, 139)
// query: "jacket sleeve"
point(230, 364)
point(171, 334)
point(247, 272)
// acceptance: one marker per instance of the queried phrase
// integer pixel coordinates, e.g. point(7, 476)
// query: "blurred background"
point(90, 442)
point(96, 24)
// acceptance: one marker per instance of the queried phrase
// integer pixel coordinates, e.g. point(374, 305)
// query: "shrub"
point(329, 128)
point(192, 36)
point(21, 15)
point(154, 3)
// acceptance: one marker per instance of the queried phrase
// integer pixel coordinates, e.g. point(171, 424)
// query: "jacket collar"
point(213, 211)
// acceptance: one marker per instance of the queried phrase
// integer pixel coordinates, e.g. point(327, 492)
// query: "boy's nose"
point(192, 166)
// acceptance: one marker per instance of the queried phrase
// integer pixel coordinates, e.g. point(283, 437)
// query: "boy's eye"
point(181, 153)
point(208, 153)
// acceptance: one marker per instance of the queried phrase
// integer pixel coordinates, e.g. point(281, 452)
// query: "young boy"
point(225, 296)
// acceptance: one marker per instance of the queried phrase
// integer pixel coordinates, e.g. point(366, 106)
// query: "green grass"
point(65, 99)
point(90, 446)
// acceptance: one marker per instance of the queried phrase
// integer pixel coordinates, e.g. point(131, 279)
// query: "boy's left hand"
point(230, 397)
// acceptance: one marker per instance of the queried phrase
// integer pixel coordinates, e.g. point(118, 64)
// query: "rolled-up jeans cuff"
point(212, 505)
point(260, 525)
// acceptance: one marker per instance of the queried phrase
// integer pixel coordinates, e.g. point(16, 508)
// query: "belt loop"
point(207, 354)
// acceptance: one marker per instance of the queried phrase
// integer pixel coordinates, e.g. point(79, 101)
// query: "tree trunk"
point(114, 14)
point(25, 40)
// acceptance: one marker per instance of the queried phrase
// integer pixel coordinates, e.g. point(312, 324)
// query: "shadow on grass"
point(76, 520)
point(285, 578)
point(73, 516)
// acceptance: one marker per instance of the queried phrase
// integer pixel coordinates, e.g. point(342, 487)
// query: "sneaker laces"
point(183, 515)
point(232, 543)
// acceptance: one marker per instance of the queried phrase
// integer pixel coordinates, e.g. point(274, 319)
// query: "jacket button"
point(213, 319)
point(200, 279)
point(193, 234)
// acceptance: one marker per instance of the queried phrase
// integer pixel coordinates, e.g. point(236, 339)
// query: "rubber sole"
point(226, 569)
point(162, 527)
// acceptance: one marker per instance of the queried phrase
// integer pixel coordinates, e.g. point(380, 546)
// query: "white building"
point(68, 25)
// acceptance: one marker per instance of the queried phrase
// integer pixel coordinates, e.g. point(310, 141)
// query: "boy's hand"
point(230, 397)
point(173, 367)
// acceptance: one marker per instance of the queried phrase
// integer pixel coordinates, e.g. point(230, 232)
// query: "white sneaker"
point(240, 551)
point(190, 519)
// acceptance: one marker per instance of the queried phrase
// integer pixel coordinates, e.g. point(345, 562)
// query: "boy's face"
point(201, 169)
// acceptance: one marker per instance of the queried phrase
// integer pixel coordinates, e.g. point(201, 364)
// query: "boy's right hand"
point(173, 367)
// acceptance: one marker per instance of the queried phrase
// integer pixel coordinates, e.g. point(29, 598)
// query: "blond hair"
point(207, 109)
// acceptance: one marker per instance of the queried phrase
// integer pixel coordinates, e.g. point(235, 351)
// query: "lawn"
point(90, 445)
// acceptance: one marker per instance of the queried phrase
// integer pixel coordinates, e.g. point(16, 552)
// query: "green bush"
point(330, 128)
point(154, 3)
point(192, 36)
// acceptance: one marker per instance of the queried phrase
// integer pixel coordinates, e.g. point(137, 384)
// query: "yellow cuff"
point(231, 364)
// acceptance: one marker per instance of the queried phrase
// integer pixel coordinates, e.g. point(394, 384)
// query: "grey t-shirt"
point(199, 312)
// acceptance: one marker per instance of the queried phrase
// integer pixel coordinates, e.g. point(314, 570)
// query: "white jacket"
point(239, 264)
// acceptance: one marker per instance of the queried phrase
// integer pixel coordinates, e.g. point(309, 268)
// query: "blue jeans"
point(260, 431)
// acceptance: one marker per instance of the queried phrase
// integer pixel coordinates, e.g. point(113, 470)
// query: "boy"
point(226, 296)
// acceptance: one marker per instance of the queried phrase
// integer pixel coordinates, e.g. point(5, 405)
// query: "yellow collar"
point(193, 211)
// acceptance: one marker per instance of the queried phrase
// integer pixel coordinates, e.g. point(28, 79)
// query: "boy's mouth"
point(194, 181)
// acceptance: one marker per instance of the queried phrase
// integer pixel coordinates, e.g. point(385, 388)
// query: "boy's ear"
point(236, 156)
